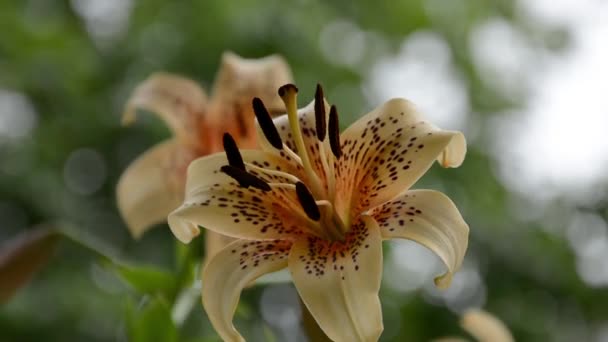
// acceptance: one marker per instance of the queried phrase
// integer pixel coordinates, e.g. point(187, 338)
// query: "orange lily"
point(320, 203)
point(153, 185)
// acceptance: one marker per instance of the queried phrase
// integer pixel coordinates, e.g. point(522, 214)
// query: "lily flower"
point(153, 185)
point(320, 203)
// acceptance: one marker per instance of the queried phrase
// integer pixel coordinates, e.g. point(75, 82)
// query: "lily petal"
point(216, 202)
point(214, 243)
point(152, 186)
point(389, 149)
point(240, 79)
point(339, 282)
point(232, 269)
point(485, 327)
point(431, 219)
point(178, 101)
point(237, 82)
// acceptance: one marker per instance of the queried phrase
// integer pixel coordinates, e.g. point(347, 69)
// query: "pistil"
point(335, 227)
point(288, 94)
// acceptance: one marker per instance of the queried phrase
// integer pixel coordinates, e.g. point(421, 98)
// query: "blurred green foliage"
point(78, 79)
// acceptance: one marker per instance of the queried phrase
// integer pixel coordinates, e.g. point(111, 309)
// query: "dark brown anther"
point(266, 124)
point(285, 89)
point(307, 202)
point(232, 152)
point(244, 178)
point(334, 132)
point(320, 113)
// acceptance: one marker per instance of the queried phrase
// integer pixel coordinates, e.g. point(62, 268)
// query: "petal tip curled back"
point(443, 281)
point(183, 230)
point(454, 153)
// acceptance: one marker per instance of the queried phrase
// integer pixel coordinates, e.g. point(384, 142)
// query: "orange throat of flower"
point(315, 186)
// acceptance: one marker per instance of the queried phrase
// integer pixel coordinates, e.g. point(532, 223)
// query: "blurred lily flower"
point(483, 326)
point(153, 185)
point(320, 203)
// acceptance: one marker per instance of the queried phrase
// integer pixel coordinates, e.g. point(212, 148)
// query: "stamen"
point(282, 186)
point(244, 178)
point(232, 152)
point(320, 113)
point(270, 172)
point(265, 121)
point(307, 202)
point(334, 132)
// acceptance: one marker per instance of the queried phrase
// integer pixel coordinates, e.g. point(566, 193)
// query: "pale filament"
point(282, 186)
point(293, 155)
point(328, 161)
point(278, 173)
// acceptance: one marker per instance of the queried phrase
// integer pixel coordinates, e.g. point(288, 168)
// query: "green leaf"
point(22, 256)
point(147, 279)
point(151, 322)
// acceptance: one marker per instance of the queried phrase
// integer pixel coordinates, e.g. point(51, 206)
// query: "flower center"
point(315, 199)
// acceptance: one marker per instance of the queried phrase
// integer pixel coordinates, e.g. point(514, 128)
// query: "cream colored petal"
point(485, 327)
point(388, 150)
point(233, 268)
point(238, 81)
point(178, 101)
point(216, 202)
point(214, 243)
point(339, 282)
point(152, 186)
point(431, 219)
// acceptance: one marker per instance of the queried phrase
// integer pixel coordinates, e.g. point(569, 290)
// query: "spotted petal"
point(339, 282)
point(215, 201)
point(233, 268)
point(178, 101)
point(388, 150)
point(431, 219)
point(152, 186)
